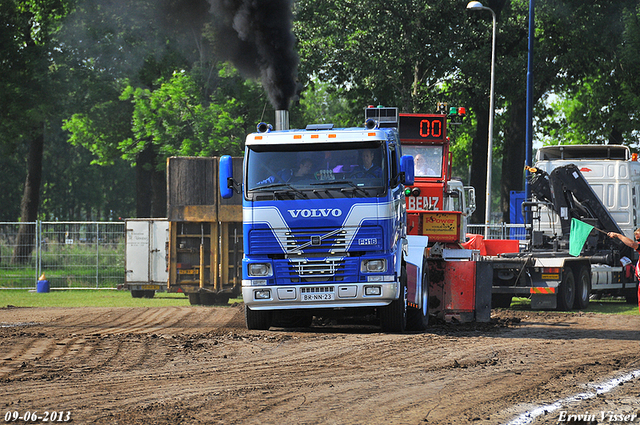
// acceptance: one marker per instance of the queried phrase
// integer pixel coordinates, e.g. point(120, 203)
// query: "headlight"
point(259, 269)
point(262, 294)
point(373, 266)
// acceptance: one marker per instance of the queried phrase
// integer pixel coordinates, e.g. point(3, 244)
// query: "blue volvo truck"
point(324, 220)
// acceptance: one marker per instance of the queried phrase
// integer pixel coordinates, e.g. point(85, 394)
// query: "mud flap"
point(544, 302)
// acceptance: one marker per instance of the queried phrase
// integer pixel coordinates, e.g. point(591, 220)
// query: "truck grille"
point(326, 268)
point(316, 240)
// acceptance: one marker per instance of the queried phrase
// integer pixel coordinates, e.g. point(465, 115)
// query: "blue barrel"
point(43, 286)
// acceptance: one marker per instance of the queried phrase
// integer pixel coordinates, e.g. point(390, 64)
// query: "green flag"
point(578, 236)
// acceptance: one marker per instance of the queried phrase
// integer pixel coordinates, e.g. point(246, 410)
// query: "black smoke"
point(256, 35)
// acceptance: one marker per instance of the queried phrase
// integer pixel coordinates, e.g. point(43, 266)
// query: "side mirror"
point(406, 167)
point(470, 194)
point(226, 176)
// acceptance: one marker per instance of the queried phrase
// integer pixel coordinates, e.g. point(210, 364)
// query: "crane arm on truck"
point(571, 196)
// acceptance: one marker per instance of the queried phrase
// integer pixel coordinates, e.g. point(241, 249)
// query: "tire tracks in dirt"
point(197, 365)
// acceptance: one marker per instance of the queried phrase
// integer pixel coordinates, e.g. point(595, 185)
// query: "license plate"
point(318, 297)
point(150, 287)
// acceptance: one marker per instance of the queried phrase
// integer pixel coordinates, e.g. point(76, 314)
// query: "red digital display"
point(422, 127)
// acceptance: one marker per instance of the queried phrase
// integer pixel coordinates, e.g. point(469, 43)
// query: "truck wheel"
point(583, 289)
point(194, 298)
point(566, 291)
point(149, 293)
point(393, 318)
point(418, 318)
point(135, 293)
point(257, 319)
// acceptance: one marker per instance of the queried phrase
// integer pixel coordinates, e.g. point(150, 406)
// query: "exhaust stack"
point(282, 119)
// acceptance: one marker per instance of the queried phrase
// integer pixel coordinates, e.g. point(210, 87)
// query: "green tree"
point(412, 54)
point(117, 44)
point(603, 106)
point(29, 87)
point(156, 89)
point(178, 120)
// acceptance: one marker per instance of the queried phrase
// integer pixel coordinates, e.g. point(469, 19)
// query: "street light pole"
point(529, 131)
point(476, 5)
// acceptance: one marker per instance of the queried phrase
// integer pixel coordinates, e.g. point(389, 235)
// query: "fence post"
point(97, 255)
point(38, 262)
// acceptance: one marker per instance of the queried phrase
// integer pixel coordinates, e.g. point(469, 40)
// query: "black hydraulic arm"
point(574, 198)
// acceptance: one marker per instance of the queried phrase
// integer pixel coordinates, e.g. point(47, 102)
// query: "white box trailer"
point(146, 256)
point(614, 175)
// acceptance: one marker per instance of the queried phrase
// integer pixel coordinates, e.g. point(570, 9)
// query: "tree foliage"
point(181, 122)
point(131, 83)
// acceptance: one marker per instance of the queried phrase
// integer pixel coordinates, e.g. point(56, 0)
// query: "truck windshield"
point(427, 159)
point(316, 170)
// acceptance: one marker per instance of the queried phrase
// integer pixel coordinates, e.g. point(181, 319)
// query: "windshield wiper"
point(353, 187)
point(287, 185)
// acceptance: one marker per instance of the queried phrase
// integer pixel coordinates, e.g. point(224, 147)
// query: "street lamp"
point(476, 5)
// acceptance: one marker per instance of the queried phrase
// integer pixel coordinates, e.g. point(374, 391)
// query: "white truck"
point(613, 173)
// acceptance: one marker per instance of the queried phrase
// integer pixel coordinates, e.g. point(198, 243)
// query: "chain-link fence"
point(91, 254)
point(70, 254)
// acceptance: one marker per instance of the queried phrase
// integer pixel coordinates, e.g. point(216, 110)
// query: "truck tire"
point(418, 318)
point(150, 293)
point(583, 289)
point(393, 318)
point(257, 319)
point(566, 291)
point(137, 293)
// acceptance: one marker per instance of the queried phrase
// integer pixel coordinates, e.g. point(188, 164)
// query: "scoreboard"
point(426, 127)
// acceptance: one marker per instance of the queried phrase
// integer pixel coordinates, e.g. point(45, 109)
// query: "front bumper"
point(320, 295)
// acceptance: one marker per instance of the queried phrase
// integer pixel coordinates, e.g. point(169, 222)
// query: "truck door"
point(158, 270)
point(137, 251)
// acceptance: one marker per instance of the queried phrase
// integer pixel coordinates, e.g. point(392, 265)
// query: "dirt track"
point(199, 365)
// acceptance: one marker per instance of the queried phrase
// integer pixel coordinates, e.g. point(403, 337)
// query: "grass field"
point(114, 298)
point(605, 306)
point(89, 298)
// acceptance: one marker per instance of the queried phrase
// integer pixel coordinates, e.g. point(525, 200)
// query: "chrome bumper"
point(320, 295)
